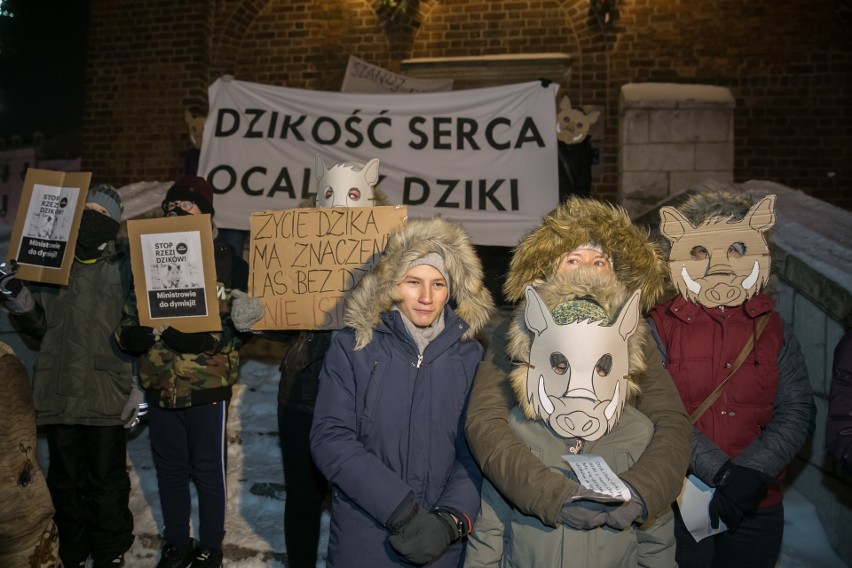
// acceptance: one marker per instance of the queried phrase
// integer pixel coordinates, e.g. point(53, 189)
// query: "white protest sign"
point(363, 77)
point(485, 158)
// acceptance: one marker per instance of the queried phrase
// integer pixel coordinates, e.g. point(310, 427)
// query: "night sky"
point(42, 66)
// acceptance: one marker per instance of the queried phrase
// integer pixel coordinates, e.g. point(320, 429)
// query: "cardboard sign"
point(174, 272)
point(304, 262)
point(45, 231)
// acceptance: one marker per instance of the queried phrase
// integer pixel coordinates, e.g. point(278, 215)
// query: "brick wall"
point(789, 65)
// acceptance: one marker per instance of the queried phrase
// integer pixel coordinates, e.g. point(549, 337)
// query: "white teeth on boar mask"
point(721, 262)
point(576, 381)
point(348, 184)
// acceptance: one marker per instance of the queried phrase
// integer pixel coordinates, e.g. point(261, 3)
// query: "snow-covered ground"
point(255, 534)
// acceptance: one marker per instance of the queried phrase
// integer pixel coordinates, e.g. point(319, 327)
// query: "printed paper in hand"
point(693, 502)
point(594, 473)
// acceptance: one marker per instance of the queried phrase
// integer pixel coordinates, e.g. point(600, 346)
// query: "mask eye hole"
point(559, 363)
point(604, 365)
point(737, 250)
point(328, 193)
point(699, 253)
point(354, 194)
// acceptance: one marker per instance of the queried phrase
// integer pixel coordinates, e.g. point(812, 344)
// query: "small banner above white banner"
point(363, 77)
point(485, 158)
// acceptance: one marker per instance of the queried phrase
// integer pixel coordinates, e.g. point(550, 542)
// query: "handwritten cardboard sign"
point(45, 231)
point(305, 262)
point(174, 272)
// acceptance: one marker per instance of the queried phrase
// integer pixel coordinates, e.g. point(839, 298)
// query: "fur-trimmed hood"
point(377, 292)
point(578, 221)
point(581, 283)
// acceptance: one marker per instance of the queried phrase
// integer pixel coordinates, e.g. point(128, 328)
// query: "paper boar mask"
point(349, 184)
point(721, 262)
point(577, 378)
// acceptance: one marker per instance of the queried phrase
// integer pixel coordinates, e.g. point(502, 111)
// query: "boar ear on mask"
point(720, 262)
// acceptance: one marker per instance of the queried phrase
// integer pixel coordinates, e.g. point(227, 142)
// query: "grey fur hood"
point(377, 292)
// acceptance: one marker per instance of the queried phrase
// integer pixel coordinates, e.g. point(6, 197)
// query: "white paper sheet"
point(594, 473)
point(693, 503)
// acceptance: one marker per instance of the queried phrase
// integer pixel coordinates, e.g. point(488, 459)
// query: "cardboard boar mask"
point(349, 184)
point(577, 380)
point(721, 262)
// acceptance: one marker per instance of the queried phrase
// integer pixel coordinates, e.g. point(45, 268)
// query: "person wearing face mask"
point(83, 391)
point(587, 233)
point(739, 371)
point(188, 378)
point(347, 184)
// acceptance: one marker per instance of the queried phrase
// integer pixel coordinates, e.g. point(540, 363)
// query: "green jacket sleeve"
point(658, 475)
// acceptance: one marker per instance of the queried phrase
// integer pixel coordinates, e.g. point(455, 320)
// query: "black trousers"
point(306, 489)
point(756, 544)
point(88, 482)
point(188, 445)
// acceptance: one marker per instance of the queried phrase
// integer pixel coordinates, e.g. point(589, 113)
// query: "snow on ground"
point(254, 528)
point(255, 533)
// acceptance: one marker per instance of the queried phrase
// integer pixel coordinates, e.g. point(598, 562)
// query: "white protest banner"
point(363, 77)
point(305, 262)
point(485, 158)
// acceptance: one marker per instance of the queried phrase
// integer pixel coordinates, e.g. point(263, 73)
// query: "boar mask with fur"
point(721, 262)
point(577, 380)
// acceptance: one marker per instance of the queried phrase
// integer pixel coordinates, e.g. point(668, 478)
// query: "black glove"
point(426, 536)
point(137, 338)
point(188, 342)
point(739, 491)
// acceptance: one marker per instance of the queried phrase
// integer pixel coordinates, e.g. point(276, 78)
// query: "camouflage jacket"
point(173, 379)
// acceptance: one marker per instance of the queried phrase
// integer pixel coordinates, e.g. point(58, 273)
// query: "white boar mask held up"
point(348, 184)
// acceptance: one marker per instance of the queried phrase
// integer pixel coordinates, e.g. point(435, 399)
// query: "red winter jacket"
point(701, 344)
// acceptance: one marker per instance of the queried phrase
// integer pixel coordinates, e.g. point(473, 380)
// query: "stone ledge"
point(675, 96)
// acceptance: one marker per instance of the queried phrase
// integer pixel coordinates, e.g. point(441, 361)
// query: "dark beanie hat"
point(107, 197)
point(192, 188)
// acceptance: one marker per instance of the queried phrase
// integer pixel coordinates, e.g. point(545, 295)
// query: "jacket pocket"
point(110, 364)
point(368, 395)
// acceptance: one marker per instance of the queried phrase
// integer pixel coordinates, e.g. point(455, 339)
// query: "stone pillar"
point(672, 136)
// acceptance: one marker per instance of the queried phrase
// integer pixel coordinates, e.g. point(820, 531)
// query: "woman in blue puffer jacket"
point(388, 428)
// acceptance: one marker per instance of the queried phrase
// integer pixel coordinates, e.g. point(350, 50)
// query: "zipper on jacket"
point(419, 360)
point(364, 403)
